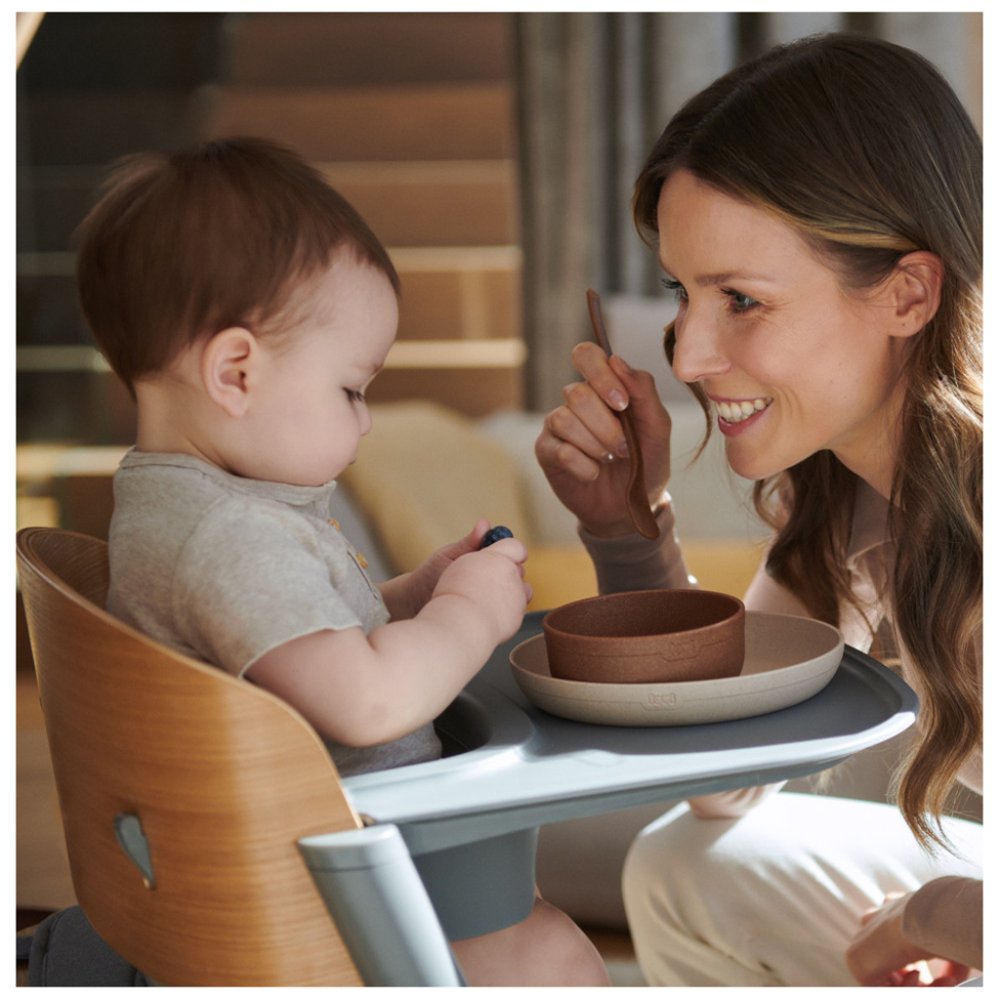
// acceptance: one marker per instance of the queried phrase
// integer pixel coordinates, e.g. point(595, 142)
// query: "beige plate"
point(788, 659)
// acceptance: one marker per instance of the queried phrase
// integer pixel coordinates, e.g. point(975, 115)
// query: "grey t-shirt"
point(225, 569)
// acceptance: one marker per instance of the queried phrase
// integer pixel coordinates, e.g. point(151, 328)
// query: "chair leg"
point(380, 906)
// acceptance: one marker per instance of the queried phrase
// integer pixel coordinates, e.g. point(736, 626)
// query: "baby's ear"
point(227, 364)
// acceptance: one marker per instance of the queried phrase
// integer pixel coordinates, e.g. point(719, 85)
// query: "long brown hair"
point(864, 149)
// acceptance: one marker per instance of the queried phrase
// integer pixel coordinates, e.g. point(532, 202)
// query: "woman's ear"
point(915, 291)
point(228, 364)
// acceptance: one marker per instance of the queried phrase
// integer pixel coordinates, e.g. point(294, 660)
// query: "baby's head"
point(183, 245)
point(243, 302)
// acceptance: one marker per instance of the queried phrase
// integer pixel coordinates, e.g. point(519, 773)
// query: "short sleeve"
point(244, 586)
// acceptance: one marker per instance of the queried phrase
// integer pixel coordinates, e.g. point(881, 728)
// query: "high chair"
point(209, 837)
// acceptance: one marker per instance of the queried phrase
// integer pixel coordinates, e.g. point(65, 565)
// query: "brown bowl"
point(647, 637)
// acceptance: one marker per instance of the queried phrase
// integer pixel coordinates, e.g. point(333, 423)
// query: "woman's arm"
point(945, 917)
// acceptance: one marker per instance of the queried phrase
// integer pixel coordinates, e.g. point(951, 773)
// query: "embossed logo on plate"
point(666, 699)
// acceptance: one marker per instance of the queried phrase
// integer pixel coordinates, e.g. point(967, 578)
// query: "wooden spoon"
point(636, 497)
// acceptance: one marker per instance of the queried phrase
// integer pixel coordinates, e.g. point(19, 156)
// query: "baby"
point(247, 306)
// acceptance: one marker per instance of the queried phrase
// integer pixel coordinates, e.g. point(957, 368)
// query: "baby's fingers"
point(512, 548)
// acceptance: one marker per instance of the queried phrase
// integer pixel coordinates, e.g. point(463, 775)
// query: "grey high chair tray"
point(520, 767)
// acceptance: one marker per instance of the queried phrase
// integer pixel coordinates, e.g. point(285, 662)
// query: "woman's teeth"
point(737, 412)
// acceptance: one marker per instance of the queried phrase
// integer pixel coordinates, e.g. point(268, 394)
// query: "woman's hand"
point(581, 448)
point(879, 949)
point(940, 923)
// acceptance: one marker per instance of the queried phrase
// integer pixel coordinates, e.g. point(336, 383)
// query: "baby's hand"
point(414, 590)
point(407, 594)
point(493, 579)
point(494, 535)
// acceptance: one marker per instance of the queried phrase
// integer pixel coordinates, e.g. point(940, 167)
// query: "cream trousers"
point(774, 897)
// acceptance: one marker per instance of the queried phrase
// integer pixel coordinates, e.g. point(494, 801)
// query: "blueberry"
point(495, 534)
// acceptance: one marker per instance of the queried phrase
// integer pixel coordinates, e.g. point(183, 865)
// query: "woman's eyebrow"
point(722, 277)
point(725, 277)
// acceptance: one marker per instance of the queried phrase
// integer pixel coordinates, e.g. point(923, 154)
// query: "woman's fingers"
point(570, 450)
point(586, 433)
point(582, 447)
point(592, 364)
point(644, 400)
point(585, 421)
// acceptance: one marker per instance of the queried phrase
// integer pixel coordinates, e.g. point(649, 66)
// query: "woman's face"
point(793, 363)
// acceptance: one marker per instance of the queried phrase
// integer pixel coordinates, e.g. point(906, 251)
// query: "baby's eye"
point(675, 288)
point(355, 395)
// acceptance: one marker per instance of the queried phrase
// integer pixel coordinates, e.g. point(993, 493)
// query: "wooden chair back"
point(223, 778)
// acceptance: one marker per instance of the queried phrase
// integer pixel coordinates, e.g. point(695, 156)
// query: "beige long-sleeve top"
point(636, 563)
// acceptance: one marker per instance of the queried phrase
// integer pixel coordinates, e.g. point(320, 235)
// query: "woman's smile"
point(735, 414)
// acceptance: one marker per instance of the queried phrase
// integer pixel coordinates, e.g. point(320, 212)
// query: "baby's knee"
point(558, 943)
point(544, 949)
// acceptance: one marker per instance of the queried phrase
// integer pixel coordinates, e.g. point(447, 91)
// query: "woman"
point(817, 213)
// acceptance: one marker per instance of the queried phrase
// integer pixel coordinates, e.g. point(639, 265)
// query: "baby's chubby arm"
point(362, 690)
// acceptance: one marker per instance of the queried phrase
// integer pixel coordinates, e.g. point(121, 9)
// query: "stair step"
point(51, 202)
point(47, 310)
point(351, 49)
point(69, 128)
point(473, 121)
point(87, 50)
point(88, 406)
point(455, 293)
point(442, 203)
point(433, 204)
point(474, 392)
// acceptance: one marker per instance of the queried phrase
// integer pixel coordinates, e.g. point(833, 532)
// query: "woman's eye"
point(739, 302)
point(675, 288)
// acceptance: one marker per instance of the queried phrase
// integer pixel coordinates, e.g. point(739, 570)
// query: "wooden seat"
point(222, 777)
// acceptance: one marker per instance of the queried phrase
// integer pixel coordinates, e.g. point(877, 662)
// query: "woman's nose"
point(697, 351)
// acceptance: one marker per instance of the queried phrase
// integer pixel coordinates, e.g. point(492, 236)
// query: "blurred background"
point(494, 154)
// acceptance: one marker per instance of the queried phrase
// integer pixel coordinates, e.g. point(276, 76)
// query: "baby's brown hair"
point(182, 245)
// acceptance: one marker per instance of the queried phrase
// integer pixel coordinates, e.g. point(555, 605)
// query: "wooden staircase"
point(410, 116)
